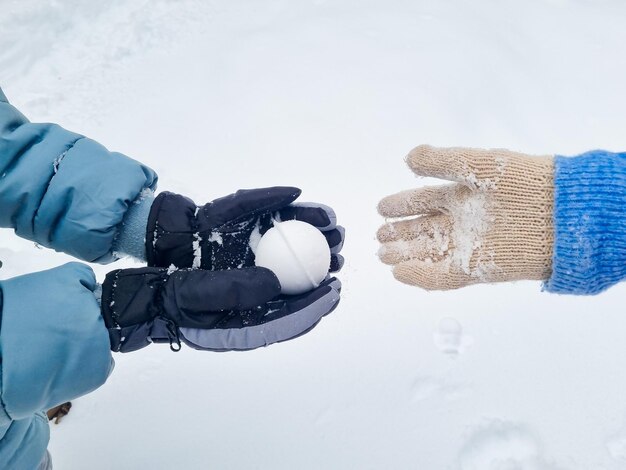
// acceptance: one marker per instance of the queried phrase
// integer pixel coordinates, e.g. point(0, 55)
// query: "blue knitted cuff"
point(589, 223)
point(131, 237)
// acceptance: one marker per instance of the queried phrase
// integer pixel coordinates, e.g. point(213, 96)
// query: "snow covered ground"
point(329, 96)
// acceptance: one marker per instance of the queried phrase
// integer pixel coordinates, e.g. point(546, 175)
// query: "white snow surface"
point(330, 96)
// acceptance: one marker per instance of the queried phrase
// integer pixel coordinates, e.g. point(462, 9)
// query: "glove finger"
point(245, 203)
point(329, 281)
point(412, 228)
point(319, 215)
point(422, 201)
point(335, 239)
point(336, 263)
point(431, 241)
point(287, 320)
point(423, 248)
point(198, 292)
point(432, 276)
point(474, 167)
point(290, 304)
point(274, 325)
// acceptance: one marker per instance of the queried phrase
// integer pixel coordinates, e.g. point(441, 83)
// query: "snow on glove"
point(509, 216)
point(495, 223)
point(222, 233)
point(237, 309)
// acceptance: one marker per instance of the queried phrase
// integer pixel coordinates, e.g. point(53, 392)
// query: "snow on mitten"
point(507, 217)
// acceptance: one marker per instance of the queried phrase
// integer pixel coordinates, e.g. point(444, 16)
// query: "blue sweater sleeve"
point(589, 223)
point(63, 190)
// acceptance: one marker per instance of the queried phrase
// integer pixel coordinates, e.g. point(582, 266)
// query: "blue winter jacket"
point(66, 192)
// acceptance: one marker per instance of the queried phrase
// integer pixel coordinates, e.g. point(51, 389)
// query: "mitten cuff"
point(589, 223)
point(131, 302)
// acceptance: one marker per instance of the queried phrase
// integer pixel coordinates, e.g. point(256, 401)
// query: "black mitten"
point(218, 235)
point(236, 309)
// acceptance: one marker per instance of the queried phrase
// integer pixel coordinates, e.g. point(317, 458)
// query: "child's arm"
point(509, 216)
point(55, 347)
point(63, 190)
point(68, 192)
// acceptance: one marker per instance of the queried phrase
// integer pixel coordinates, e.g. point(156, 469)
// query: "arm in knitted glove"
point(509, 216)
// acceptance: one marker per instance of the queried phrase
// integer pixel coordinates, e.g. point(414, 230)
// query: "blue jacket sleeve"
point(54, 347)
point(53, 340)
point(63, 190)
point(23, 443)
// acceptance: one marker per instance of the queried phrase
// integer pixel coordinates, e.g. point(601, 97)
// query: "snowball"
point(297, 253)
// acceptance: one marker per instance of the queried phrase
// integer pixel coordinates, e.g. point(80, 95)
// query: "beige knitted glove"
point(494, 224)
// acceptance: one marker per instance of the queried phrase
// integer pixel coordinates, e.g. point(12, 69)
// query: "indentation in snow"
point(436, 388)
point(616, 445)
point(449, 337)
point(503, 446)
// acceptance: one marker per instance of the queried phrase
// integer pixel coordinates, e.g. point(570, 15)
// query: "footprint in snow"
point(449, 337)
point(502, 445)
